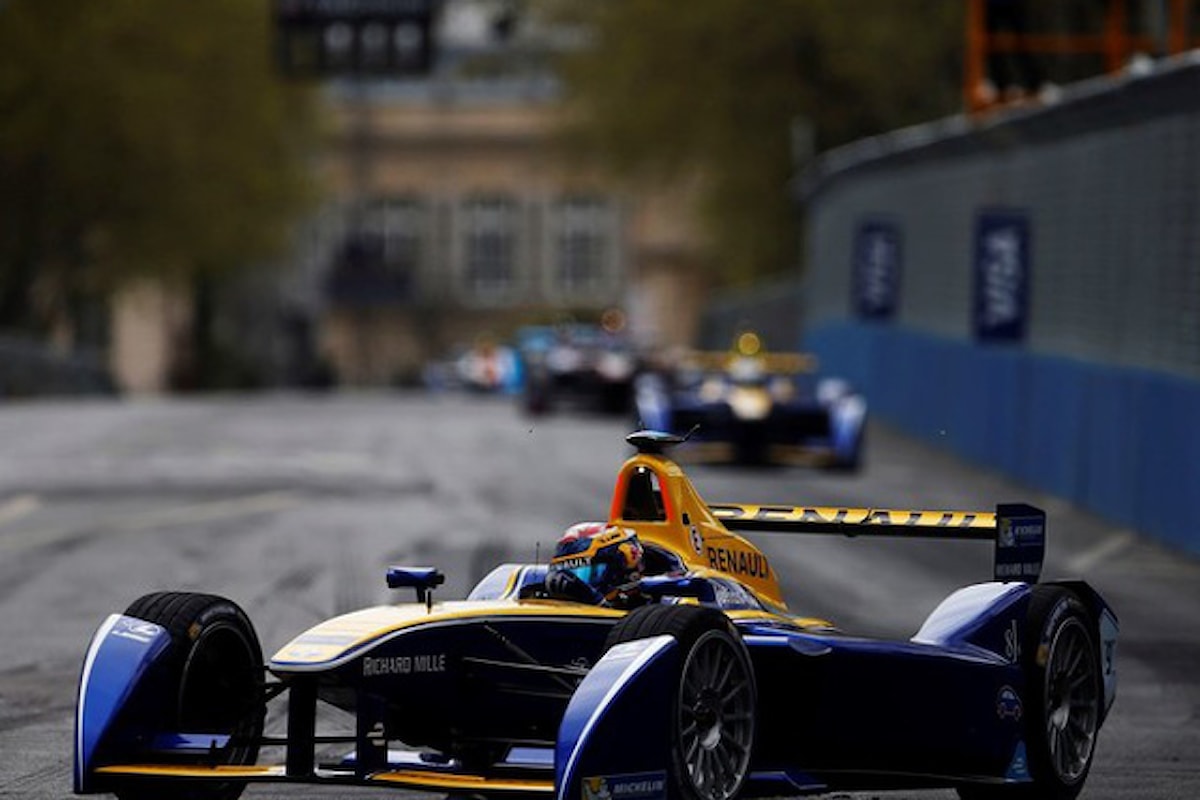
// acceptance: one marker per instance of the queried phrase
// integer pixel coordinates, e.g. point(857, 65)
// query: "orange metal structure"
point(1116, 43)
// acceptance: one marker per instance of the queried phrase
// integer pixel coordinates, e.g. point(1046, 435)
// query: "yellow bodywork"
point(689, 529)
point(701, 541)
point(332, 638)
point(426, 780)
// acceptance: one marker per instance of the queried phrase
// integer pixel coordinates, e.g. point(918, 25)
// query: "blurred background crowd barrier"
point(1026, 291)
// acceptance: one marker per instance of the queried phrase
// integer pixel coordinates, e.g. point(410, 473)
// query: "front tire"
point(210, 680)
point(715, 705)
point(1065, 697)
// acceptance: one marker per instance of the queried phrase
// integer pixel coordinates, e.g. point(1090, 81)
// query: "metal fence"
point(1025, 290)
point(1106, 184)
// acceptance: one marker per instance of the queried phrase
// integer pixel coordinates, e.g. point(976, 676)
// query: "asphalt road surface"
point(294, 506)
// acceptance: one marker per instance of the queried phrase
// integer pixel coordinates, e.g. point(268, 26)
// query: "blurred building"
point(455, 212)
point(452, 211)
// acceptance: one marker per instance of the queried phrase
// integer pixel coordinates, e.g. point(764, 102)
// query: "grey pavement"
point(295, 505)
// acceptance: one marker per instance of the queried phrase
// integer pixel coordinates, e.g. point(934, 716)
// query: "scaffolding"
point(1011, 44)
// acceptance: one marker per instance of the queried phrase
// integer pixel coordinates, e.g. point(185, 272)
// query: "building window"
point(398, 226)
point(489, 226)
point(582, 246)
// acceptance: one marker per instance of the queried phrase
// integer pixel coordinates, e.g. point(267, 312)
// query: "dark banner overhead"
point(329, 38)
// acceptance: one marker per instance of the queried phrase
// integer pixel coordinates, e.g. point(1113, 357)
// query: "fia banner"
point(1002, 264)
point(876, 276)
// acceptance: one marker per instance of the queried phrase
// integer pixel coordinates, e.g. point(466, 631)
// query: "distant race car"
point(583, 367)
point(689, 679)
point(748, 406)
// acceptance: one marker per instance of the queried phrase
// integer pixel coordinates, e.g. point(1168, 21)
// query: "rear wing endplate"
point(1017, 530)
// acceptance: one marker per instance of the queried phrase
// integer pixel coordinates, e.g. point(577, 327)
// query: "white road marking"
point(1088, 560)
point(158, 518)
point(18, 507)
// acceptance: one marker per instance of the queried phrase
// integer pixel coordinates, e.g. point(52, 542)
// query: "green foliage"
point(140, 137)
point(714, 88)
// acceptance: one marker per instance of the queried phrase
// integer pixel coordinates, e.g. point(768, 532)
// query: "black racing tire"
point(714, 711)
point(210, 680)
point(1064, 699)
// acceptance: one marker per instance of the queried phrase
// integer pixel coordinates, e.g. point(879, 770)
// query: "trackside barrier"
point(1023, 288)
point(1122, 442)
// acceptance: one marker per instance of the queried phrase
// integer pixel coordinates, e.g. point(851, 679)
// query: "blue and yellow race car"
point(653, 657)
point(750, 406)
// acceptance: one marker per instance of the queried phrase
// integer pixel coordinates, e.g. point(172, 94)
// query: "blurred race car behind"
point(584, 367)
point(752, 407)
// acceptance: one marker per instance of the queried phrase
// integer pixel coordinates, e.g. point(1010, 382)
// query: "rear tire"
point(1064, 697)
point(715, 707)
point(210, 680)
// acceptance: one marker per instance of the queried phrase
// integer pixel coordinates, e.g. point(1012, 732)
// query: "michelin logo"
point(635, 786)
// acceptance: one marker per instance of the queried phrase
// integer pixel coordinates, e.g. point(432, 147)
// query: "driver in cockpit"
point(597, 564)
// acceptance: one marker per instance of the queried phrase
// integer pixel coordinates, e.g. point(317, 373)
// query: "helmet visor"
point(591, 574)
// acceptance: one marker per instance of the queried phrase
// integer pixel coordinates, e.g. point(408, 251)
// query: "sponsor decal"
point(135, 629)
point(1020, 543)
point(739, 562)
point(1005, 537)
point(403, 665)
point(1043, 651)
point(1019, 569)
point(876, 269)
point(697, 540)
point(730, 595)
point(1108, 655)
point(1021, 532)
point(1012, 643)
point(635, 786)
point(302, 653)
point(1008, 704)
point(1018, 768)
point(849, 516)
point(1002, 274)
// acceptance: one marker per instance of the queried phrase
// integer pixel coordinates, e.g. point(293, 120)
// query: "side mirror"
point(423, 579)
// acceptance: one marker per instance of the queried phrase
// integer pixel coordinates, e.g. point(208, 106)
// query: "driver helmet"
point(596, 563)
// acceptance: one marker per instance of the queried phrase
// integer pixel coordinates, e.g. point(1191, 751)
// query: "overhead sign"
point(876, 270)
point(1002, 264)
point(318, 38)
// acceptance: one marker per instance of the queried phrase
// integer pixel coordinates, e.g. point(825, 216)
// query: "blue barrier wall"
point(1122, 442)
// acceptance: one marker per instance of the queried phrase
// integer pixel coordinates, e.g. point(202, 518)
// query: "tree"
point(715, 88)
point(140, 138)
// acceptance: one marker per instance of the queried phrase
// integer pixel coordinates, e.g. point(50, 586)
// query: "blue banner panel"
point(876, 278)
point(1002, 263)
point(1120, 442)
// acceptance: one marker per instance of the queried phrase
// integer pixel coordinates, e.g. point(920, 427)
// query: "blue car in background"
point(747, 406)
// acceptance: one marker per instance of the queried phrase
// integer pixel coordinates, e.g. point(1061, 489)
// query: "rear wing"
point(1017, 530)
point(774, 363)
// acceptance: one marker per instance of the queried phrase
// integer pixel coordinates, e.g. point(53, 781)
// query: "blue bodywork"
point(117, 660)
point(836, 712)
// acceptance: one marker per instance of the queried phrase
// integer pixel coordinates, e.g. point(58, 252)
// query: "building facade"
point(455, 216)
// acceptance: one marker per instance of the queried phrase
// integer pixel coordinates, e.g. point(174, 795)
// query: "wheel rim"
point(716, 717)
point(1072, 690)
